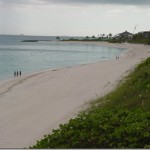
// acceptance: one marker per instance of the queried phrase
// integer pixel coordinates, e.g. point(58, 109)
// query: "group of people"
point(117, 57)
point(17, 73)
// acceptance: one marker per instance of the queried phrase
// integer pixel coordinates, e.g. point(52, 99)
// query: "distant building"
point(145, 34)
point(125, 35)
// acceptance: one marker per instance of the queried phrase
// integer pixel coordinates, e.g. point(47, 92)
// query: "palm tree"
point(99, 37)
point(93, 37)
point(103, 35)
point(110, 35)
point(87, 37)
point(57, 38)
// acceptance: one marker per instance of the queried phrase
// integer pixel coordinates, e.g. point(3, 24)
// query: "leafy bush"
point(101, 128)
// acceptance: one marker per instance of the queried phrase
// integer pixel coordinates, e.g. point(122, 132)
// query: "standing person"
point(20, 73)
point(17, 73)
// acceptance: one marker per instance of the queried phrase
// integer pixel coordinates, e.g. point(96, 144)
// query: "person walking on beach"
point(20, 73)
point(15, 74)
point(117, 57)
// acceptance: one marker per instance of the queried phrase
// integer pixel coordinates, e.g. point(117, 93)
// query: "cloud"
point(111, 2)
point(122, 2)
point(113, 13)
point(23, 2)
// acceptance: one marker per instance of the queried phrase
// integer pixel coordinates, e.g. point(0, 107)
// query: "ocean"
point(47, 53)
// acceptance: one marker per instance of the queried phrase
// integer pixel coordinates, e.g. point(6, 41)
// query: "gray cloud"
point(39, 2)
point(124, 2)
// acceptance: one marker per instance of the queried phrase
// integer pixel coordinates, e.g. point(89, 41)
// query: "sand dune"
point(32, 105)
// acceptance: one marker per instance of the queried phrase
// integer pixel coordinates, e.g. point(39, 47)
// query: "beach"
point(32, 105)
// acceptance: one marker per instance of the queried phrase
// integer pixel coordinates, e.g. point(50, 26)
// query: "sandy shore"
point(32, 105)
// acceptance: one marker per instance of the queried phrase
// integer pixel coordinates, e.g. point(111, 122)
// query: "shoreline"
point(74, 42)
point(32, 105)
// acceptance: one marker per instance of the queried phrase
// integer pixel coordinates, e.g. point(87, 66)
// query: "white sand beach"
point(32, 105)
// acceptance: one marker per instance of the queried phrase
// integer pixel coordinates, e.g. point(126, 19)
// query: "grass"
point(120, 119)
point(132, 92)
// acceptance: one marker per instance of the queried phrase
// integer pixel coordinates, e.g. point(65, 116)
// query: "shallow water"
point(38, 56)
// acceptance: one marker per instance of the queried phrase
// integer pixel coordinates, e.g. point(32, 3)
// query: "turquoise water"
point(38, 56)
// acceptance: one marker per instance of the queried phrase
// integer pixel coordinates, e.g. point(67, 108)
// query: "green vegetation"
point(57, 38)
point(139, 38)
point(120, 119)
point(133, 91)
point(100, 38)
point(30, 41)
point(71, 39)
point(100, 128)
point(113, 40)
point(141, 41)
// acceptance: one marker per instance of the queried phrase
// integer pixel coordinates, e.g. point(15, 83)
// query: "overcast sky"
point(73, 17)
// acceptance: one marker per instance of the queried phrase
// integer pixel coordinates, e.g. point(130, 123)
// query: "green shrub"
point(101, 128)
